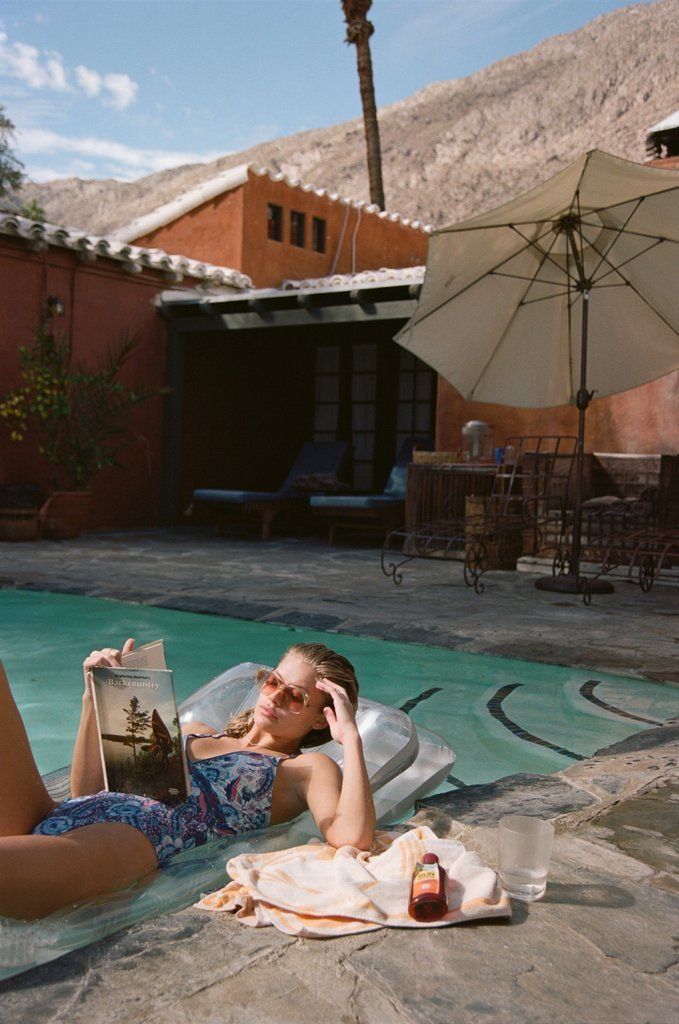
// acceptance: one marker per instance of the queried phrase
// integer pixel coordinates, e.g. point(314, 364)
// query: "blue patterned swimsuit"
point(230, 794)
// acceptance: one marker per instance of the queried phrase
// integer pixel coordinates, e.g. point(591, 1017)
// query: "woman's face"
point(280, 711)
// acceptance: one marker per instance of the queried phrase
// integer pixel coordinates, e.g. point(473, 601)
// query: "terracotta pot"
point(18, 524)
point(64, 514)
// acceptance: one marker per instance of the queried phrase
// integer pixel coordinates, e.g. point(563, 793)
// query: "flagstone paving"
point(598, 948)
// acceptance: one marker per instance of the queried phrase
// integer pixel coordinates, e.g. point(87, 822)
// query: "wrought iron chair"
point(641, 535)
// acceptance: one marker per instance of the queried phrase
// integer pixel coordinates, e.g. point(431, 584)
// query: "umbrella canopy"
point(501, 309)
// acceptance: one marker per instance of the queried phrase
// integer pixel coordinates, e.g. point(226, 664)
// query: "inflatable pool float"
point(404, 761)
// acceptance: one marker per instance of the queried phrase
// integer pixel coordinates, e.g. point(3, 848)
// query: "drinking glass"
point(525, 849)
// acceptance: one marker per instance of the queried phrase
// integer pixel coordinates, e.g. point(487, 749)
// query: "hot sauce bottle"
point(428, 893)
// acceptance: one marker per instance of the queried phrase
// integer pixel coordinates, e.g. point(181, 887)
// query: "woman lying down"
point(252, 775)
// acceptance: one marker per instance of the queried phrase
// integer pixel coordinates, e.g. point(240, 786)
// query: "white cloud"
point(19, 60)
point(88, 80)
point(45, 70)
point(122, 89)
point(111, 156)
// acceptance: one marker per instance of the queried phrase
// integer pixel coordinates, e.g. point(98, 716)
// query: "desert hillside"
point(457, 147)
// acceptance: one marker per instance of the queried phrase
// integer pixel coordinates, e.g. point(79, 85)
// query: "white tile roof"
point(232, 178)
point(669, 122)
point(133, 258)
point(385, 275)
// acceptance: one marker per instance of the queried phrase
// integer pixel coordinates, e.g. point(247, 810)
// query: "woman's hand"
point(341, 717)
point(107, 657)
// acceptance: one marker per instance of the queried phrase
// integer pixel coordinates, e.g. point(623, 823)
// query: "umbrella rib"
point(618, 231)
point(613, 269)
point(545, 298)
point(524, 277)
point(507, 326)
point(645, 300)
point(507, 224)
point(638, 234)
point(440, 305)
point(545, 253)
point(631, 199)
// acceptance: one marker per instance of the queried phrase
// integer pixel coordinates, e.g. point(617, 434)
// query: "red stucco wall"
point(212, 232)
point(231, 231)
point(101, 301)
point(376, 242)
point(643, 420)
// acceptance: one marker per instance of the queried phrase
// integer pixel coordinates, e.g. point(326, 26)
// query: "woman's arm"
point(87, 775)
point(341, 803)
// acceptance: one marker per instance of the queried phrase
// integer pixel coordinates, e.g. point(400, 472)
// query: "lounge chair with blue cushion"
point(316, 468)
point(369, 511)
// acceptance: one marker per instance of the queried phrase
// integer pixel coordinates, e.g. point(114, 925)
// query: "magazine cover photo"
point(140, 734)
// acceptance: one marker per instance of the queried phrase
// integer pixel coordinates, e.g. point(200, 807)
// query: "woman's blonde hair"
point(328, 664)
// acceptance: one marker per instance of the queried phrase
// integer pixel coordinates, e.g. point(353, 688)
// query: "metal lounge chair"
point(367, 511)
point(319, 461)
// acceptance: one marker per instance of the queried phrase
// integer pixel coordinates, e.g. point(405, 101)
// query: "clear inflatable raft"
point(405, 762)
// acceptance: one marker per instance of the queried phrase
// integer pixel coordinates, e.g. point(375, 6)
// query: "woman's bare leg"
point(39, 874)
point(24, 801)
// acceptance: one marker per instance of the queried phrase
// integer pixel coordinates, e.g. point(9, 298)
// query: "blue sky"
point(124, 88)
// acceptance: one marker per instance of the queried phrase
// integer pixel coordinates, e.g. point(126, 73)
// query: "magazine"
point(139, 733)
point(147, 656)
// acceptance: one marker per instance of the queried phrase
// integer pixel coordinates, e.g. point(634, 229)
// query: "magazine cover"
point(139, 734)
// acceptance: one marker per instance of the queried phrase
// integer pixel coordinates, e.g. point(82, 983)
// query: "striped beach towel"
point(318, 891)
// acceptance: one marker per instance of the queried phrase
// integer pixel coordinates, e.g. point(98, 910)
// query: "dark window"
point(297, 228)
point(274, 223)
point(318, 234)
point(416, 400)
point(327, 393)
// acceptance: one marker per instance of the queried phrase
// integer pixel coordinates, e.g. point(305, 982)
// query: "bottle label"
point(425, 879)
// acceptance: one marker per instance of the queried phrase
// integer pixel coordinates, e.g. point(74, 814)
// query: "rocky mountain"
point(455, 148)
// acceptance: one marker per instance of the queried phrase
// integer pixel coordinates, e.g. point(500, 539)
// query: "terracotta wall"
point(101, 301)
point(642, 421)
point(231, 231)
point(212, 232)
point(376, 242)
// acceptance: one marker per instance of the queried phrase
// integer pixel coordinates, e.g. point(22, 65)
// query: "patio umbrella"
point(504, 312)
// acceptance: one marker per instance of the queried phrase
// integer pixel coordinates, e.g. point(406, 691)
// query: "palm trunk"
point(359, 30)
point(372, 130)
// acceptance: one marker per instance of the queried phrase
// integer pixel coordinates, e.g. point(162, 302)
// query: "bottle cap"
point(430, 858)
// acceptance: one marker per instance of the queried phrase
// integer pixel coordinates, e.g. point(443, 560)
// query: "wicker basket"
point(18, 524)
point(436, 458)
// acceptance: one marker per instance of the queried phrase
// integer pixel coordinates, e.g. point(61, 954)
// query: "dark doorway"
point(248, 400)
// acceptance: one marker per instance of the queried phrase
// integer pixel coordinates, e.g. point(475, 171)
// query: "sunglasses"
point(295, 698)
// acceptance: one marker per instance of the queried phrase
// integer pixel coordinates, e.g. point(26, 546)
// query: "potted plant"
point(77, 413)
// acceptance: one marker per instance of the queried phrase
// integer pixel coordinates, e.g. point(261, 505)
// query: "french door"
point(374, 395)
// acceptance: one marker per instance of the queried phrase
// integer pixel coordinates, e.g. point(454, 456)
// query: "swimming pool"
point(501, 716)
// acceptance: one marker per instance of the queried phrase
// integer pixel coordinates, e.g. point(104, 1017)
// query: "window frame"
point(298, 229)
point(274, 216)
point(319, 234)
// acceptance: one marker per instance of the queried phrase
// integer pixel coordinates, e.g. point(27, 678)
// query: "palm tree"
point(359, 31)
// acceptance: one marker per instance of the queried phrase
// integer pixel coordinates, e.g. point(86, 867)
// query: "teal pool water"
point(500, 716)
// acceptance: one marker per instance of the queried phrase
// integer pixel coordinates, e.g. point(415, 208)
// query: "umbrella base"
point(571, 584)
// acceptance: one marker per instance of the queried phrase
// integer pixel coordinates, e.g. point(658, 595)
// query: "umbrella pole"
point(571, 582)
point(582, 401)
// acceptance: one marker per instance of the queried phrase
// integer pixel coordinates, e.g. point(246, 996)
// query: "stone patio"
point(597, 949)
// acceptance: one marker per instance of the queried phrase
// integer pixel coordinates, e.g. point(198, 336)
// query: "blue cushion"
point(396, 484)
point(353, 501)
point(218, 497)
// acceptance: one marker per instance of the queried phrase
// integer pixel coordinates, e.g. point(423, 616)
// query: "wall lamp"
point(55, 306)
